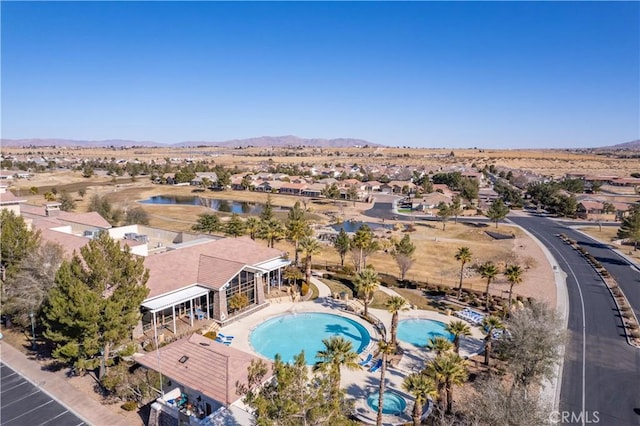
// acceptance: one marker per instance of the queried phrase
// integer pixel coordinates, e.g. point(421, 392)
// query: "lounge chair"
point(366, 361)
point(376, 366)
point(222, 336)
point(224, 342)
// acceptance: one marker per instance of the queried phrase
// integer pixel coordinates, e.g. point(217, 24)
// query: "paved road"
point(601, 372)
point(25, 404)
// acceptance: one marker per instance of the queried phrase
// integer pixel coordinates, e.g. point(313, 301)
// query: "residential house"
point(200, 278)
point(203, 376)
point(292, 188)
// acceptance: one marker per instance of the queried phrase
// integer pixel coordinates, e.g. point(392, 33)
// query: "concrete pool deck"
point(361, 383)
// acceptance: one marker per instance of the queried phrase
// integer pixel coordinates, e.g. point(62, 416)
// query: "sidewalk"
point(55, 385)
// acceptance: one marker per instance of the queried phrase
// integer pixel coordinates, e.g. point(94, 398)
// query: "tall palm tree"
point(296, 231)
point(366, 283)
point(252, 226)
point(338, 353)
point(448, 370)
point(421, 387)
point(514, 276)
point(489, 325)
point(394, 305)
point(271, 230)
point(384, 349)
point(488, 271)
point(310, 246)
point(459, 329)
point(439, 345)
point(463, 256)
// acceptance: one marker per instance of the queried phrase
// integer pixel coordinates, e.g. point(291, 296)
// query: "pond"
point(350, 226)
point(225, 206)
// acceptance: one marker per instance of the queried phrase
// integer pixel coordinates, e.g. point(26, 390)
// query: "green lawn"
point(337, 287)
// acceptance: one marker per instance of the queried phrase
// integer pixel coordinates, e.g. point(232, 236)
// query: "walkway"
point(55, 385)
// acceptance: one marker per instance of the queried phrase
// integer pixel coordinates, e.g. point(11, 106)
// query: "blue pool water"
point(226, 206)
point(289, 334)
point(392, 403)
point(419, 331)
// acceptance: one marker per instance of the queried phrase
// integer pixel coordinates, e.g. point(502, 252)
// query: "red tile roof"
point(215, 262)
point(211, 368)
point(9, 198)
point(89, 219)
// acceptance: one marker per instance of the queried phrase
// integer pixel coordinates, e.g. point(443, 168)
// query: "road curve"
point(601, 371)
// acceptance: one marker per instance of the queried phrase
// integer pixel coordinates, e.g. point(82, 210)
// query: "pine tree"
point(630, 227)
point(95, 303)
point(235, 226)
point(267, 210)
point(497, 211)
point(16, 242)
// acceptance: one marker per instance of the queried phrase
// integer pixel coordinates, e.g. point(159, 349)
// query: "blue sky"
point(427, 74)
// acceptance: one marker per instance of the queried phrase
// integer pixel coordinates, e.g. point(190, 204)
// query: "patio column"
point(279, 279)
point(173, 310)
point(208, 307)
point(154, 323)
point(192, 313)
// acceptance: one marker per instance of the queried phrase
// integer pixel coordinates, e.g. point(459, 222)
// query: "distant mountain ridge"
point(263, 141)
point(632, 145)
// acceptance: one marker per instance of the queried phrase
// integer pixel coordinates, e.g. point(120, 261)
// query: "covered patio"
point(272, 272)
point(189, 306)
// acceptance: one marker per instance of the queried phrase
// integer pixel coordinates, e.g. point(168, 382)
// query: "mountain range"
point(263, 141)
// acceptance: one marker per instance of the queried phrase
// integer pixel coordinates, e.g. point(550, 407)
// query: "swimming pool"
point(289, 334)
point(418, 331)
point(392, 403)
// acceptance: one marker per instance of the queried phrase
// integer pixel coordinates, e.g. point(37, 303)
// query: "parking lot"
point(25, 404)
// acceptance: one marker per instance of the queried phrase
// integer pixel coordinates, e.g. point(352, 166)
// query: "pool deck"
point(361, 383)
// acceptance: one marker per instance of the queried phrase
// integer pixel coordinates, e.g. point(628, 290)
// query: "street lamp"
point(33, 332)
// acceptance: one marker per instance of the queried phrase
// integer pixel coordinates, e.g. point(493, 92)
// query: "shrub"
point(635, 334)
point(633, 326)
point(304, 289)
point(129, 406)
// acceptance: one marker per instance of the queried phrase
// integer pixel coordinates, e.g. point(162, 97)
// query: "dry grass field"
point(607, 235)
point(546, 162)
point(435, 252)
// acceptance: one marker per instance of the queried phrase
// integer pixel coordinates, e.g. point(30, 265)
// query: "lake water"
point(225, 206)
point(354, 226)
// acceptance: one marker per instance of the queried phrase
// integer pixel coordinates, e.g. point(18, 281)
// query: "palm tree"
point(488, 271)
point(297, 230)
point(463, 256)
point(271, 230)
point(394, 305)
point(338, 353)
point(252, 226)
point(489, 324)
point(384, 349)
point(448, 370)
point(439, 345)
point(458, 329)
point(421, 387)
point(366, 283)
point(514, 276)
point(310, 246)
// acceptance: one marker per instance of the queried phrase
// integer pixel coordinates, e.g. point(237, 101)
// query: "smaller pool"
point(392, 403)
point(418, 331)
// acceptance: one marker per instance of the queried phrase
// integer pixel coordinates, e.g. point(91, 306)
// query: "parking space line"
point(28, 412)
